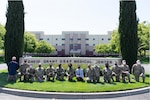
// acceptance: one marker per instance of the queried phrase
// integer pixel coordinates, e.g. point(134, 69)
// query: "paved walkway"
point(143, 94)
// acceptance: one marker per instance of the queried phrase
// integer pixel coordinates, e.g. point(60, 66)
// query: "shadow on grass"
point(3, 79)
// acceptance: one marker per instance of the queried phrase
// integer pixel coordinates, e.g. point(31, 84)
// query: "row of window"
point(85, 44)
point(77, 39)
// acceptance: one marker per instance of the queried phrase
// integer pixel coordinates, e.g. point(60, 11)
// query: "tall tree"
point(128, 31)
point(14, 37)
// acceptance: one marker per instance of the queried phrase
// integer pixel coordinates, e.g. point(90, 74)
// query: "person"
point(60, 72)
point(39, 73)
point(107, 73)
point(89, 74)
point(116, 71)
point(70, 72)
point(30, 73)
point(22, 70)
point(50, 72)
point(125, 71)
point(12, 70)
point(96, 75)
point(138, 70)
point(79, 74)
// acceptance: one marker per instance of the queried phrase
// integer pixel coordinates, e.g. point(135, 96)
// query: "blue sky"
point(55, 16)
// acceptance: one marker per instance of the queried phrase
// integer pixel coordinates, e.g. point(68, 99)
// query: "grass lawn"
point(65, 86)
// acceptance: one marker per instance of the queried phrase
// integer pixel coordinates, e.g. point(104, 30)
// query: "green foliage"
point(114, 42)
point(103, 48)
point(2, 33)
point(44, 47)
point(30, 42)
point(128, 31)
point(66, 86)
point(14, 37)
point(143, 37)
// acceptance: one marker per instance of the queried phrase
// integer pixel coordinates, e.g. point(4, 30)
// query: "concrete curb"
point(60, 95)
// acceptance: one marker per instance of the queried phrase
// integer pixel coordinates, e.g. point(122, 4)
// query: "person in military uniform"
point(30, 73)
point(116, 71)
point(96, 75)
point(107, 73)
point(39, 73)
point(50, 72)
point(89, 74)
point(138, 70)
point(125, 70)
point(22, 70)
point(70, 72)
point(60, 73)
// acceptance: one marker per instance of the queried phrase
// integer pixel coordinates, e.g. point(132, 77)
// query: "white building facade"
point(74, 43)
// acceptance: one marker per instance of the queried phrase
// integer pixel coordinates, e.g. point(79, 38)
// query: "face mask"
point(30, 66)
point(124, 63)
point(138, 63)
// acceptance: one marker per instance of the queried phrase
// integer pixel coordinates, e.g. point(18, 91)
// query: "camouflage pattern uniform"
point(125, 71)
point(96, 75)
point(89, 73)
point(116, 71)
point(22, 70)
point(50, 72)
point(60, 73)
point(30, 74)
point(70, 72)
point(39, 73)
point(138, 70)
point(107, 74)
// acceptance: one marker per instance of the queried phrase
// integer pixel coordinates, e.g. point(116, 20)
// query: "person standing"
point(138, 70)
point(12, 70)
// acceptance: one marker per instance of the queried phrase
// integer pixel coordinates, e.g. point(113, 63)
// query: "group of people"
point(91, 74)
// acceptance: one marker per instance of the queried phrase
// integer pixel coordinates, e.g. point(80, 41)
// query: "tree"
point(44, 47)
point(143, 37)
point(30, 42)
point(114, 42)
point(14, 37)
point(128, 31)
point(2, 33)
point(103, 48)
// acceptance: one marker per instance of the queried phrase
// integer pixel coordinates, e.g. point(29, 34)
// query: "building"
point(74, 43)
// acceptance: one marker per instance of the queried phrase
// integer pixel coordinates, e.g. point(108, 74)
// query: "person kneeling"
point(79, 74)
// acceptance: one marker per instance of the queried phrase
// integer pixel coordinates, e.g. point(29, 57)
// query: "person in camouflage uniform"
point(116, 71)
point(125, 70)
point(60, 72)
point(70, 72)
point(30, 73)
point(89, 73)
point(96, 75)
point(107, 73)
point(22, 70)
point(138, 70)
point(50, 72)
point(39, 73)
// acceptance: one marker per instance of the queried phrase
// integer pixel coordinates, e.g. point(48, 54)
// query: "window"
point(41, 38)
point(87, 44)
point(102, 39)
point(93, 38)
point(56, 44)
point(109, 39)
point(87, 39)
point(56, 49)
point(93, 44)
point(63, 44)
point(56, 39)
point(63, 38)
point(47, 38)
point(79, 38)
